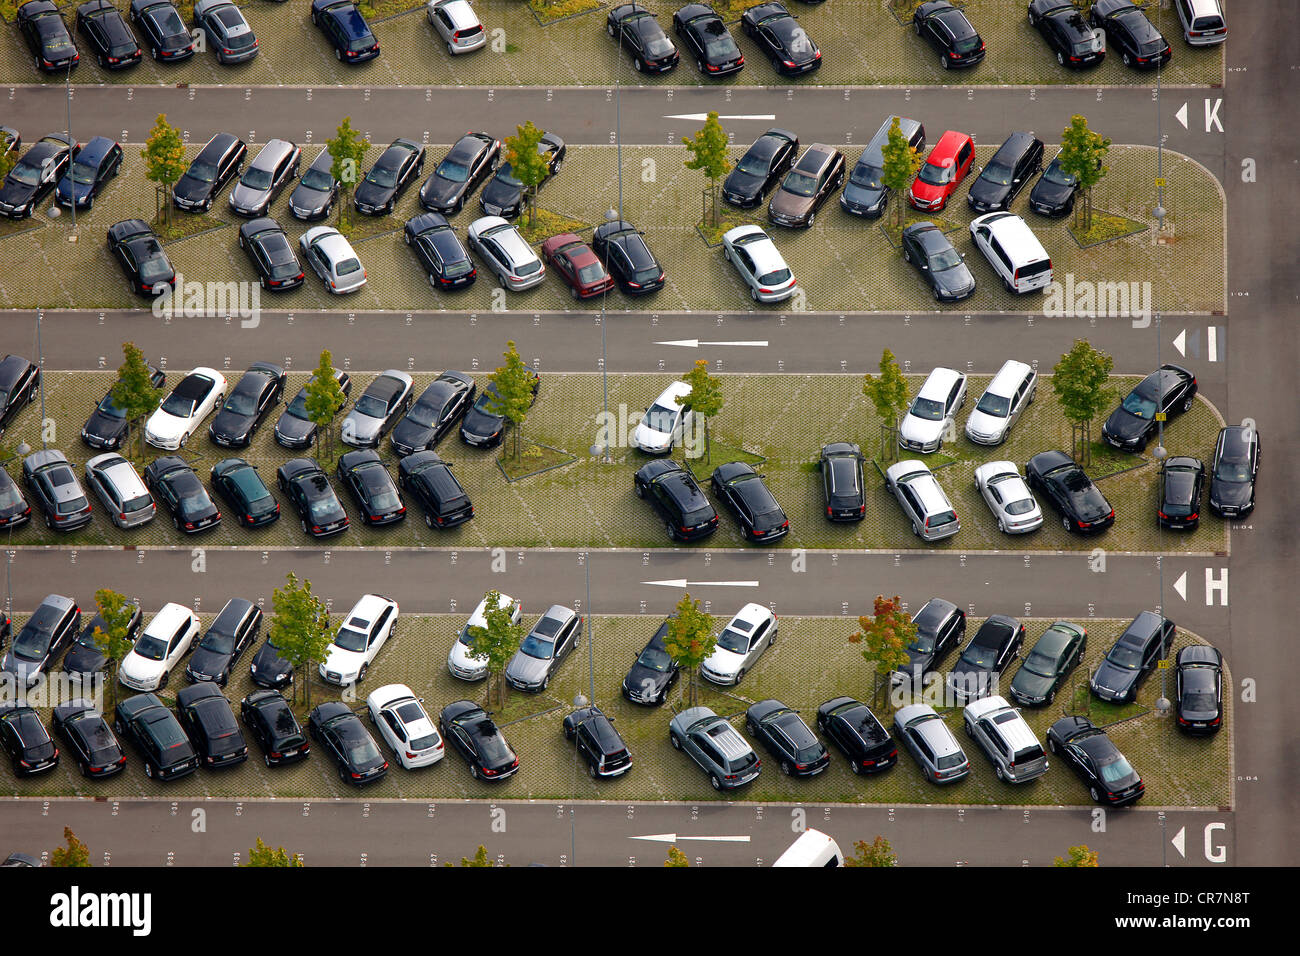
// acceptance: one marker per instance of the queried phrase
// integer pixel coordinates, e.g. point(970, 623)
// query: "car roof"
point(269, 156)
point(939, 383)
point(167, 620)
point(948, 145)
point(94, 151)
point(1141, 627)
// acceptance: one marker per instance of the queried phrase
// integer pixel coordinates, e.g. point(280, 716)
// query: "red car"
point(945, 167)
point(577, 265)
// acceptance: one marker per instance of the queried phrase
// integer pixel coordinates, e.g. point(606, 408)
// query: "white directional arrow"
point(674, 838)
point(696, 343)
point(683, 583)
point(1181, 585)
point(1181, 115)
point(1180, 342)
point(701, 117)
point(1179, 841)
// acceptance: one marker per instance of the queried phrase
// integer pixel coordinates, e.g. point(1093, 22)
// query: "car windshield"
point(151, 648)
point(660, 418)
point(9, 495)
point(350, 640)
point(866, 175)
point(936, 175)
point(997, 173)
point(203, 172)
point(455, 172)
point(752, 166)
point(347, 267)
point(318, 179)
point(32, 643)
point(1041, 664)
point(423, 414)
point(1232, 471)
point(371, 406)
point(999, 406)
point(945, 260)
point(775, 277)
point(178, 405)
point(1125, 656)
point(1139, 406)
point(383, 176)
point(218, 643)
point(1117, 770)
point(298, 407)
point(538, 647)
point(240, 403)
point(733, 640)
point(1021, 507)
point(1055, 174)
point(256, 178)
point(927, 409)
point(505, 175)
point(801, 184)
point(655, 659)
point(107, 407)
point(82, 174)
point(26, 174)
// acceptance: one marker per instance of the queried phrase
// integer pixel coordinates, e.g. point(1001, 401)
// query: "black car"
point(346, 29)
point(84, 658)
point(686, 511)
point(476, 736)
point(635, 29)
point(653, 671)
point(473, 158)
point(14, 509)
point(843, 489)
point(1181, 482)
point(1053, 194)
point(778, 34)
point(743, 490)
point(990, 652)
point(1233, 472)
point(1055, 653)
point(1140, 44)
point(787, 738)
point(26, 741)
point(851, 726)
point(394, 170)
point(943, 267)
point(434, 414)
point(160, 23)
point(1070, 491)
point(1198, 689)
point(1075, 43)
point(1170, 389)
point(50, 630)
point(316, 191)
point(20, 385)
point(363, 474)
point(707, 40)
point(106, 426)
point(308, 489)
point(1109, 777)
point(948, 31)
point(235, 628)
point(136, 247)
point(268, 668)
point(36, 173)
point(348, 743)
point(940, 629)
point(210, 723)
point(440, 251)
point(1133, 657)
point(430, 480)
point(294, 429)
point(97, 162)
point(175, 485)
point(214, 166)
point(598, 743)
point(271, 721)
point(241, 487)
point(622, 247)
point(259, 389)
point(110, 37)
point(272, 255)
point(157, 734)
point(89, 739)
point(482, 427)
point(1018, 160)
point(47, 37)
point(56, 490)
point(762, 167)
point(504, 194)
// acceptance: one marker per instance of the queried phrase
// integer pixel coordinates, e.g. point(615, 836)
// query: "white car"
point(742, 641)
point(365, 629)
point(331, 257)
point(457, 24)
point(1008, 497)
point(1202, 21)
point(506, 253)
point(405, 725)
point(756, 258)
point(461, 660)
point(159, 648)
point(182, 412)
point(665, 421)
point(933, 411)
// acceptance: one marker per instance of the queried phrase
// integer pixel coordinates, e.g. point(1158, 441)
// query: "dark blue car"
point(97, 163)
point(346, 29)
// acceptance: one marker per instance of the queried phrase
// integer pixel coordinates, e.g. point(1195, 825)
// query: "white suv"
point(159, 648)
point(365, 629)
point(461, 661)
point(741, 643)
point(933, 411)
point(665, 421)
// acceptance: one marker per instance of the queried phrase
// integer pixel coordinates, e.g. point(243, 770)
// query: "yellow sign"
point(1160, 417)
point(1160, 181)
point(1164, 665)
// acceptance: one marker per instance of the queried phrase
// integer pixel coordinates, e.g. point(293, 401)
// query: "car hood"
point(372, 194)
point(988, 193)
point(501, 194)
point(954, 281)
point(1053, 194)
point(918, 662)
point(986, 424)
point(481, 423)
point(362, 426)
point(863, 195)
point(293, 427)
point(1030, 684)
point(25, 670)
point(1232, 493)
point(231, 425)
point(526, 669)
point(269, 663)
point(166, 425)
point(137, 668)
point(209, 662)
point(439, 191)
point(641, 676)
point(788, 204)
point(1112, 678)
point(104, 426)
point(343, 662)
point(647, 437)
point(68, 189)
point(244, 196)
point(723, 661)
point(191, 189)
point(84, 660)
point(304, 197)
point(411, 435)
point(742, 183)
point(1124, 426)
point(462, 656)
point(16, 193)
point(919, 429)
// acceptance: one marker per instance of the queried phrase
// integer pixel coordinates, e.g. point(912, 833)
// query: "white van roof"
point(813, 848)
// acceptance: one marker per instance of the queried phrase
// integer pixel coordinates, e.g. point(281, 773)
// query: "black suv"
point(207, 718)
point(157, 734)
point(840, 465)
point(1133, 657)
point(26, 741)
point(598, 742)
point(215, 166)
point(858, 733)
point(787, 738)
point(430, 480)
point(271, 721)
point(52, 628)
point(1016, 162)
point(948, 31)
point(743, 490)
point(235, 628)
point(687, 513)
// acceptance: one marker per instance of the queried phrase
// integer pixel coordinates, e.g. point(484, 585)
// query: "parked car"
point(20, 386)
point(1202, 21)
point(1053, 194)
point(85, 659)
point(271, 253)
point(271, 721)
point(14, 509)
point(653, 671)
point(50, 630)
point(308, 489)
point(858, 734)
point(506, 253)
point(314, 196)
point(933, 412)
point(457, 24)
point(228, 34)
point(787, 738)
point(1018, 160)
point(1008, 497)
point(259, 389)
point(763, 166)
point(942, 172)
point(931, 743)
point(676, 496)
point(346, 29)
point(1094, 758)
point(436, 245)
point(843, 487)
point(174, 484)
point(405, 726)
point(944, 268)
point(553, 638)
point(462, 662)
point(467, 165)
point(157, 735)
point(239, 484)
point(949, 32)
point(1003, 402)
point(47, 37)
point(96, 163)
point(294, 429)
point(1170, 389)
point(715, 746)
point(1012, 251)
point(1198, 689)
point(759, 263)
point(922, 499)
point(779, 35)
point(181, 413)
point(56, 491)
point(597, 742)
point(215, 165)
point(987, 657)
point(434, 486)
point(274, 167)
point(347, 742)
point(235, 629)
point(1140, 44)
point(940, 629)
point(745, 493)
point(1006, 739)
point(623, 250)
point(435, 413)
point(577, 266)
point(332, 258)
point(483, 428)
point(1069, 490)
point(1133, 657)
point(38, 171)
point(89, 739)
point(1074, 41)
point(739, 646)
point(268, 669)
point(120, 490)
point(159, 649)
point(25, 740)
point(1233, 471)
point(1054, 655)
point(504, 194)
point(1181, 482)
point(137, 250)
point(666, 421)
point(817, 175)
point(478, 739)
point(165, 33)
point(366, 478)
point(865, 194)
point(707, 41)
point(106, 426)
point(378, 409)
point(210, 723)
point(635, 29)
point(396, 168)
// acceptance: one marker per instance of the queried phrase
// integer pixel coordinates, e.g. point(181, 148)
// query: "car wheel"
point(48, 523)
point(1096, 797)
point(502, 279)
point(176, 523)
point(1051, 695)
point(753, 293)
point(672, 531)
point(451, 50)
point(1125, 57)
point(1065, 522)
point(267, 759)
point(750, 728)
point(1006, 284)
point(812, 218)
point(916, 24)
point(304, 526)
point(573, 291)
point(591, 771)
point(165, 678)
point(1033, 22)
point(699, 65)
point(855, 768)
point(546, 682)
point(263, 283)
point(943, 62)
point(609, 28)
point(1187, 405)
point(636, 487)
point(1051, 745)
point(568, 732)
point(713, 779)
point(907, 256)
point(786, 768)
point(1002, 526)
point(638, 65)
point(148, 769)
point(428, 519)
point(997, 769)
point(915, 530)
point(361, 674)
point(81, 766)
point(677, 744)
point(1060, 58)
point(343, 777)
point(740, 675)
point(338, 54)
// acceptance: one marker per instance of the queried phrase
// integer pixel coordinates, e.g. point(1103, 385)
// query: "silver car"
point(1006, 739)
point(1008, 497)
point(122, 492)
point(275, 166)
point(1002, 403)
point(506, 253)
point(457, 24)
point(383, 402)
point(716, 746)
point(923, 501)
point(930, 741)
point(759, 263)
point(552, 638)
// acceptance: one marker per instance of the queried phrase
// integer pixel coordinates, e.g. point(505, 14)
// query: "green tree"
point(527, 164)
point(497, 642)
point(134, 392)
point(1081, 383)
point(901, 161)
point(1078, 856)
point(113, 639)
point(888, 393)
point(1082, 156)
point(8, 158)
point(709, 153)
point(676, 858)
point(263, 855)
point(164, 163)
point(884, 638)
point(73, 853)
point(876, 853)
point(348, 151)
point(704, 398)
point(480, 858)
point(512, 391)
point(690, 639)
point(300, 629)
point(323, 400)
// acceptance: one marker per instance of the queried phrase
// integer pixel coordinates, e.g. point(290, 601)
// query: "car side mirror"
point(962, 254)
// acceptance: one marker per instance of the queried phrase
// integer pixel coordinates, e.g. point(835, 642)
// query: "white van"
point(1013, 251)
point(813, 848)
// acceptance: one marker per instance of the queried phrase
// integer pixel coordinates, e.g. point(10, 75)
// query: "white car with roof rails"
point(739, 646)
point(923, 501)
point(933, 412)
point(182, 412)
point(461, 661)
point(331, 257)
point(665, 421)
point(121, 490)
point(1013, 251)
point(457, 24)
point(405, 725)
point(1006, 739)
point(364, 631)
point(159, 648)
point(759, 263)
point(506, 253)
point(1007, 494)
point(1003, 402)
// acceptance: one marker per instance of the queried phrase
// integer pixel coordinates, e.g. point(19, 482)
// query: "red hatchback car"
point(577, 265)
point(945, 167)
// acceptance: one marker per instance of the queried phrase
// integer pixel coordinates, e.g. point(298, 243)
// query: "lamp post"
point(1160, 213)
point(22, 451)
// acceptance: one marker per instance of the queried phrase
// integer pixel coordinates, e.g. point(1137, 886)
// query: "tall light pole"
point(1159, 212)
